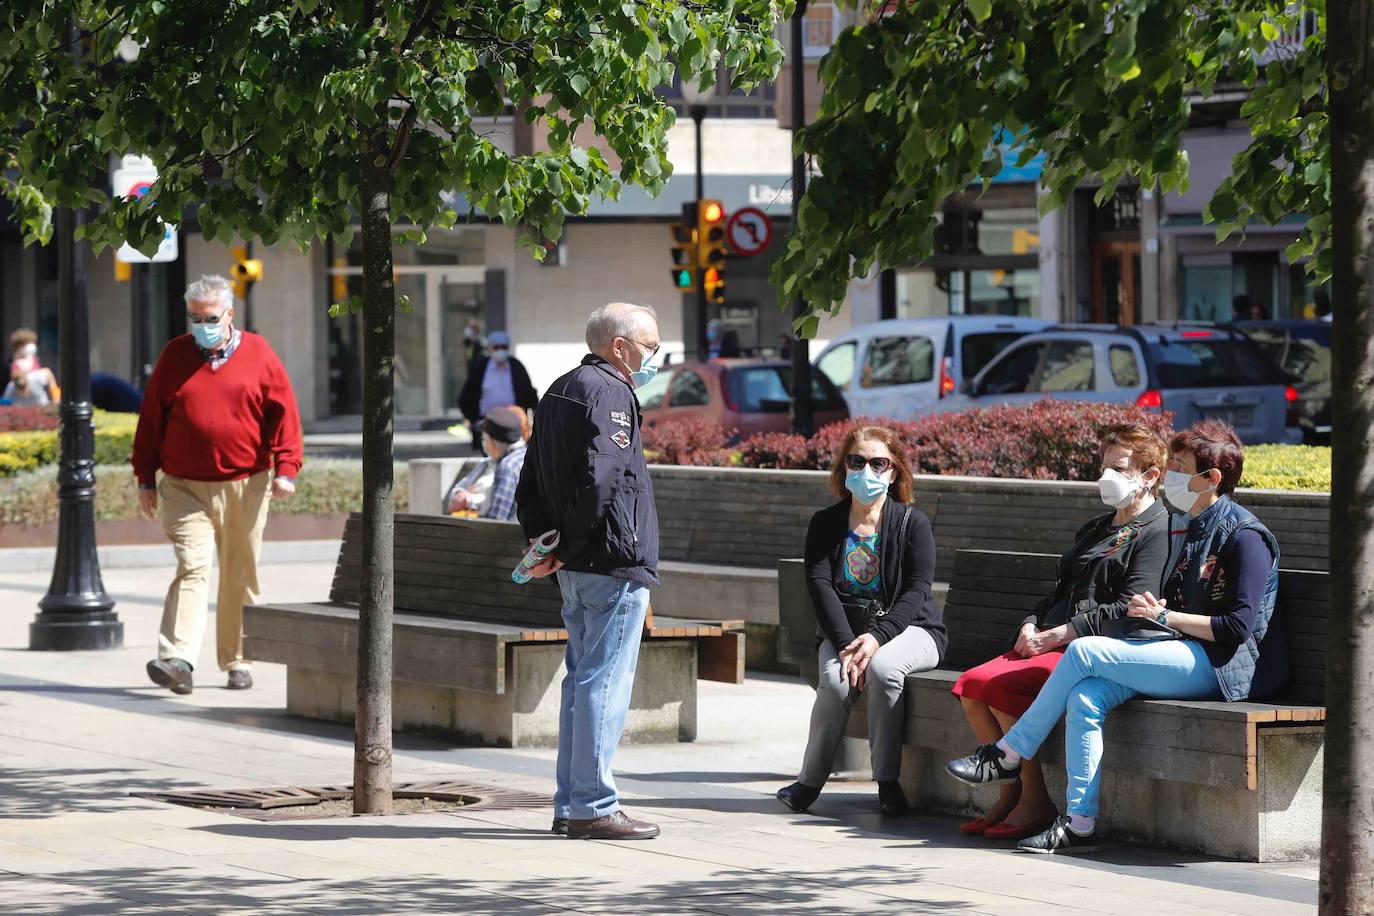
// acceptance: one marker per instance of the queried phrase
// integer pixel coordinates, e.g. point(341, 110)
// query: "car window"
point(768, 389)
point(838, 364)
point(1212, 362)
point(977, 350)
point(1068, 367)
point(1306, 352)
point(688, 390)
point(1125, 367)
point(651, 395)
point(898, 361)
point(1012, 374)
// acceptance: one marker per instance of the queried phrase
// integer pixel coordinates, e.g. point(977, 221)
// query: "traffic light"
point(245, 272)
point(684, 251)
point(711, 248)
point(714, 282)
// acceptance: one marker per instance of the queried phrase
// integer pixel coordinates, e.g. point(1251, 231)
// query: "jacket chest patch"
point(620, 418)
point(621, 438)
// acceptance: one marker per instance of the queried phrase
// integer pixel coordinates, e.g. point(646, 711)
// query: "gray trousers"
point(913, 650)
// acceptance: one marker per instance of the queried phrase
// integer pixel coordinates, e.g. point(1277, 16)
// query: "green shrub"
point(1287, 467)
point(26, 451)
point(325, 486)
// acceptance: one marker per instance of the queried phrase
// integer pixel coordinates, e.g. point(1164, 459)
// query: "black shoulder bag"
point(863, 613)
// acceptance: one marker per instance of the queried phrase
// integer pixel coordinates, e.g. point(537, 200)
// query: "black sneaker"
point(891, 800)
point(1059, 838)
point(798, 797)
point(172, 673)
point(984, 766)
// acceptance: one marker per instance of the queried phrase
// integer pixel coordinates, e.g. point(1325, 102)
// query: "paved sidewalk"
point(81, 731)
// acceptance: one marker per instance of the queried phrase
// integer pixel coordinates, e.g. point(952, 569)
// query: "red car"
point(746, 395)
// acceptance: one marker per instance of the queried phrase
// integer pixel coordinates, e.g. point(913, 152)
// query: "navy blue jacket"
point(585, 476)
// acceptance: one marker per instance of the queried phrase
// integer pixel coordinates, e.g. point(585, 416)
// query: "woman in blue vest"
point(1210, 636)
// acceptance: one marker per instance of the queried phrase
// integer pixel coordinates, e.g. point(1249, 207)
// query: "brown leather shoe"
point(240, 679)
point(615, 826)
point(173, 673)
point(560, 826)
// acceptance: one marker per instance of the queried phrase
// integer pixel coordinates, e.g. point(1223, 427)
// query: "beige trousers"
point(203, 518)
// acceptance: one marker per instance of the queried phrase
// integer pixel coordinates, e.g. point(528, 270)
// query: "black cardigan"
point(909, 601)
point(1097, 577)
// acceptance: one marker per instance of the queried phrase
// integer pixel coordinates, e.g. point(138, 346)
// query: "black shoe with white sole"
point(985, 766)
point(1060, 838)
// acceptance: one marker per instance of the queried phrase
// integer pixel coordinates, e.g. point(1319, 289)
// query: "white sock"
point(1011, 757)
point(1082, 825)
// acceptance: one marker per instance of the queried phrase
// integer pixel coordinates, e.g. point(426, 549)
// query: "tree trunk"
point(372, 741)
point(1347, 858)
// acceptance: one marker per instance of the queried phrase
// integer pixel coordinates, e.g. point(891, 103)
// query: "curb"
point(132, 556)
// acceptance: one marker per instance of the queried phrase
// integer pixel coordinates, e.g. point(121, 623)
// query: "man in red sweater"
point(219, 420)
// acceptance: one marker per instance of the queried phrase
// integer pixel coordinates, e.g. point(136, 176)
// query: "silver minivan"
point(902, 368)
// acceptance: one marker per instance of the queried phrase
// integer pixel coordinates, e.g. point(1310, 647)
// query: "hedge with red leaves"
point(1048, 439)
point(694, 443)
point(17, 419)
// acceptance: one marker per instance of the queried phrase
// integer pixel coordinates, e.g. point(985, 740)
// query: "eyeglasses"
point(857, 462)
point(652, 350)
point(204, 319)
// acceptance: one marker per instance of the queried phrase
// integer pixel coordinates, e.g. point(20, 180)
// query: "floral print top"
point(862, 567)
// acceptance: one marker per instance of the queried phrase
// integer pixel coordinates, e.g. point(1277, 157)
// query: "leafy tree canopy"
point(926, 98)
point(257, 112)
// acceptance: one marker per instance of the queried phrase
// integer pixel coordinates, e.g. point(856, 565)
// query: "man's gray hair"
point(617, 319)
point(211, 287)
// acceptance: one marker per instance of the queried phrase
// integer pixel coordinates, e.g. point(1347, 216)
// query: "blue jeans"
point(1096, 675)
point(604, 617)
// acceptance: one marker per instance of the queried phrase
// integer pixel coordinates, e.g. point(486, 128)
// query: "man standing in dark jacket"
point(495, 380)
point(585, 477)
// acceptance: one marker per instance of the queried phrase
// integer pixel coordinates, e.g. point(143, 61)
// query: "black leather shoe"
point(1059, 839)
point(985, 766)
point(240, 680)
point(891, 800)
point(798, 797)
point(172, 673)
point(560, 826)
point(617, 826)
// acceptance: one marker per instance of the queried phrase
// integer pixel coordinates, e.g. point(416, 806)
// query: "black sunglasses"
point(857, 462)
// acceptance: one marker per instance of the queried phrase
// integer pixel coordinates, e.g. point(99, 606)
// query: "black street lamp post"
point(696, 97)
point(75, 613)
point(803, 410)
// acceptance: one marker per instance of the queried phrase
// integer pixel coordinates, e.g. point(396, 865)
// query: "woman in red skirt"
point(1114, 557)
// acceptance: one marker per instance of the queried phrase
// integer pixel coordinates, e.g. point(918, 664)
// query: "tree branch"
point(403, 132)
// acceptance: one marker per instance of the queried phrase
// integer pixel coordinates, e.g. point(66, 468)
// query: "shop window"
point(898, 361)
point(838, 364)
point(688, 390)
point(1068, 367)
point(1125, 367)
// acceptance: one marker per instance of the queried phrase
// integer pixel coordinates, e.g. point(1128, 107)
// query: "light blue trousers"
point(604, 618)
point(1096, 675)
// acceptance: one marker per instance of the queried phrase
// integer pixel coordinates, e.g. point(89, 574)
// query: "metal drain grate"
point(297, 802)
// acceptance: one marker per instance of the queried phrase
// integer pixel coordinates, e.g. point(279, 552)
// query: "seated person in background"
point(488, 490)
point(1114, 557)
point(1212, 636)
point(869, 562)
point(36, 388)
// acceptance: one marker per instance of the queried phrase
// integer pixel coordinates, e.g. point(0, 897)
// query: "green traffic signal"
point(682, 279)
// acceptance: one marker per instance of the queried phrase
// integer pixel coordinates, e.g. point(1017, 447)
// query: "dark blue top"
point(1243, 577)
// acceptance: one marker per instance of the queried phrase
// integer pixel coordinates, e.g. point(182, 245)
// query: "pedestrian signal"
point(684, 252)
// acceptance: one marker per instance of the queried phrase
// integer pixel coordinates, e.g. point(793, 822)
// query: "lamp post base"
point(76, 631)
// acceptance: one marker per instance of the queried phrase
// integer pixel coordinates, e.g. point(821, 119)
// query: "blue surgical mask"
point(208, 336)
point(644, 375)
point(865, 485)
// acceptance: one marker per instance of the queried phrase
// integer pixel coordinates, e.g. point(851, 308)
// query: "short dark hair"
point(1213, 444)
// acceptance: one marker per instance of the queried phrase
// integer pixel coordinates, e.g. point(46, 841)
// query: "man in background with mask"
point(495, 380)
point(219, 420)
point(586, 478)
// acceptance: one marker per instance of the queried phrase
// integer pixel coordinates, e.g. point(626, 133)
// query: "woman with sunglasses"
point(869, 563)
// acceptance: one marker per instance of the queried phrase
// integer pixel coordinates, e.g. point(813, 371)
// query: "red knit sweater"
point(225, 424)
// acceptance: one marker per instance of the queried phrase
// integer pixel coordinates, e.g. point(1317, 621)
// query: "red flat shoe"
point(1005, 831)
point(978, 827)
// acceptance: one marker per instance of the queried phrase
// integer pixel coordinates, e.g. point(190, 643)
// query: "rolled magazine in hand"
point(541, 548)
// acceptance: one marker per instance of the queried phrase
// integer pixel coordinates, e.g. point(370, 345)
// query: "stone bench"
point(1241, 780)
point(476, 656)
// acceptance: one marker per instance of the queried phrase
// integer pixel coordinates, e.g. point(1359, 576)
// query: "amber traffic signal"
point(245, 272)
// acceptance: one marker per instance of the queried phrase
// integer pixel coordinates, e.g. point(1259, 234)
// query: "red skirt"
point(1008, 683)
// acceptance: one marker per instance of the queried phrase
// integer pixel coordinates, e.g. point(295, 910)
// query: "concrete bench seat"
point(1241, 780)
point(476, 656)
